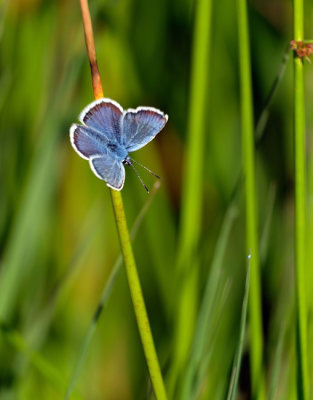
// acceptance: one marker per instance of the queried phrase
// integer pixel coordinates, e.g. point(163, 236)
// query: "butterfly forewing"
point(104, 116)
point(140, 126)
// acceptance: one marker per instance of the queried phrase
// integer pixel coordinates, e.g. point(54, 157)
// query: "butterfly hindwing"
point(104, 116)
point(87, 142)
point(140, 126)
point(109, 169)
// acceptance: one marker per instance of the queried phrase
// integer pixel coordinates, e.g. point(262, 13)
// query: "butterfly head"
point(127, 161)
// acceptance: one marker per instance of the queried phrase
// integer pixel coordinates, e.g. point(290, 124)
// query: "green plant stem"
point(192, 195)
point(263, 118)
point(300, 209)
point(274, 381)
point(237, 361)
point(137, 297)
point(126, 247)
point(206, 312)
point(105, 296)
point(190, 227)
point(255, 314)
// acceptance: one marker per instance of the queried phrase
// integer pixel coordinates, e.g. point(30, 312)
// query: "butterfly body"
point(117, 150)
point(108, 134)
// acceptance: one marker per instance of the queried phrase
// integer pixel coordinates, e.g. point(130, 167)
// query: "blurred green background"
point(58, 240)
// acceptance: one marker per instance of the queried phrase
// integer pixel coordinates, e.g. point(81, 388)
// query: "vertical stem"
point(238, 357)
point(137, 297)
point(120, 218)
point(191, 212)
point(91, 50)
point(300, 208)
point(192, 190)
point(256, 336)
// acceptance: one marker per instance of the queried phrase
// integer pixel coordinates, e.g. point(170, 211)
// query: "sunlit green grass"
point(58, 237)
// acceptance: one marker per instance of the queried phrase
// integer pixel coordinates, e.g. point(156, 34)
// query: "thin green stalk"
point(266, 229)
point(137, 297)
point(202, 373)
point(192, 189)
point(105, 296)
point(237, 361)
point(192, 196)
point(274, 382)
point(256, 337)
point(204, 320)
point(263, 118)
point(300, 209)
point(18, 259)
point(126, 247)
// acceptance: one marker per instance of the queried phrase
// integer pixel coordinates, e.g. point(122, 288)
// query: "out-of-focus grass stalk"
point(204, 321)
point(274, 381)
point(17, 260)
point(126, 247)
point(192, 187)
point(47, 370)
point(193, 179)
point(237, 361)
point(255, 314)
point(300, 208)
point(263, 118)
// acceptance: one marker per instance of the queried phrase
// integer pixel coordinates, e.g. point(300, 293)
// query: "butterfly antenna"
point(147, 169)
point(139, 177)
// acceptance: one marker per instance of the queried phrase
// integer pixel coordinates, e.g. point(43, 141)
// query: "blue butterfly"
point(108, 134)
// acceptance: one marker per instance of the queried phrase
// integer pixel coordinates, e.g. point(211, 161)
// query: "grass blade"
point(24, 237)
point(277, 361)
point(256, 344)
point(237, 361)
point(263, 118)
point(265, 234)
point(192, 189)
point(25, 233)
point(208, 350)
point(300, 209)
point(203, 322)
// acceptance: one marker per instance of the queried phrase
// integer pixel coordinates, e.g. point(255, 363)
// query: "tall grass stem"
point(105, 296)
point(300, 209)
point(207, 308)
point(137, 297)
point(237, 361)
point(255, 313)
point(190, 226)
point(277, 365)
point(126, 247)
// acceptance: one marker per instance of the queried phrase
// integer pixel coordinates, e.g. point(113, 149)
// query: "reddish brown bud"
point(303, 50)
